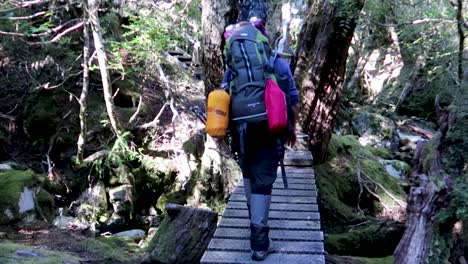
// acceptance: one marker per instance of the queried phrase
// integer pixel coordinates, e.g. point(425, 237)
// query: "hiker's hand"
point(291, 138)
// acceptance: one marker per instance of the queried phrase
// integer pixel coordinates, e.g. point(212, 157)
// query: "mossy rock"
point(173, 197)
point(45, 202)
point(12, 253)
point(339, 186)
point(375, 240)
point(93, 203)
point(12, 183)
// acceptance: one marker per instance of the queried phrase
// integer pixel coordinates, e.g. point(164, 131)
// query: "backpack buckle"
point(269, 68)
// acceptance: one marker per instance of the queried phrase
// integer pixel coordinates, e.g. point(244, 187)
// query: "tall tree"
point(216, 15)
point(95, 24)
point(84, 91)
point(323, 49)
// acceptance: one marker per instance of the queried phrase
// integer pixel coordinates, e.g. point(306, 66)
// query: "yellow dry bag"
point(217, 119)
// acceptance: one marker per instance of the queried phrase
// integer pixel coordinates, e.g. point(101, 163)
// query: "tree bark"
point(437, 199)
point(216, 15)
point(102, 60)
point(323, 49)
point(84, 91)
point(423, 204)
point(183, 236)
point(461, 39)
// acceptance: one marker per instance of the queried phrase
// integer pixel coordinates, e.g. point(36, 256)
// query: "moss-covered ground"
point(354, 188)
point(9, 255)
point(60, 245)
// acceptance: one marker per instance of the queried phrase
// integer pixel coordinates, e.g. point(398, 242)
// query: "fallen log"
point(421, 131)
point(183, 235)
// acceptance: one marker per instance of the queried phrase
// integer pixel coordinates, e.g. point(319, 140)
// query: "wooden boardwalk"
point(294, 221)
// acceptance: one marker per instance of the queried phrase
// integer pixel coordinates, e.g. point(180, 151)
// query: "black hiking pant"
point(259, 169)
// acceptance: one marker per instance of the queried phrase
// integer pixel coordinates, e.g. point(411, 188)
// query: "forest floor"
point(39, 242)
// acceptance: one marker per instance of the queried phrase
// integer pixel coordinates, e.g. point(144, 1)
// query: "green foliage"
point(120, 154)
point(147, 36)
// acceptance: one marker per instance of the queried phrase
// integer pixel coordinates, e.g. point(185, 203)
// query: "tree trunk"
point(461, 39)
point(183, 236)
point(253, 8)
point(102, 60)
point(438, 200)
point(84, 91)
point(216, 15)
point(323, 49)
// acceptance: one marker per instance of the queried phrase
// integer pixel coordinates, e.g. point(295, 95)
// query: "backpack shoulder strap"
point(271, 61)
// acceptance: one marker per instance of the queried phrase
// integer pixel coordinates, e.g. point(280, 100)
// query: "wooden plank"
point(297, 170)
point(278, 199)
point(217, 257)
point(296, 180)
point(275, 234)
point(274, 214)
point(295, 186)
point(273, 224)
point(298, 154)
point(285, 192)
point(278, 207)
point(297, 176)
point(298, 158)
point(291, 186)
point(298, 162)
point(243, 245)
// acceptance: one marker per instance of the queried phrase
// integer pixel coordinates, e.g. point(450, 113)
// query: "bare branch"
point(133, 117)
point(95, 156)
point(45, 33)
point(24, 4)
point(429, 20)
point(9, 117)
point(155, 120)
point(59, 36)
point(38, 14)
point(398, 201)
point(47, 86)
point(416, 22)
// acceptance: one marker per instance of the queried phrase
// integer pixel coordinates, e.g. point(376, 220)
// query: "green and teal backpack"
point(247, 54)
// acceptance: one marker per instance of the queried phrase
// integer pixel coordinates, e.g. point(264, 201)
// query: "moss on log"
point(183, 235)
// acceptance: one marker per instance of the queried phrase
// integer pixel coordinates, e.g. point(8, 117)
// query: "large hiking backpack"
point(247, 53)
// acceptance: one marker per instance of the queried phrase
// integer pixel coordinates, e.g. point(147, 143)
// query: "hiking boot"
point(262, 255)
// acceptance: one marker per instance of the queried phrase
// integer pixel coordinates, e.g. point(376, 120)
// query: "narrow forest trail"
point(294, 220)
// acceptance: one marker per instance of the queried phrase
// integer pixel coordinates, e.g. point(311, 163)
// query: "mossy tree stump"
point(183, 235)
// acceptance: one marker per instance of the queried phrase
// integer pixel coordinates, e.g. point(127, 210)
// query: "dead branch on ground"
point(134, 116)
point(155, 121)
point(9, 117)
point(421, 131)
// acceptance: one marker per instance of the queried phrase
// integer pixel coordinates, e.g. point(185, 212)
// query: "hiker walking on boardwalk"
point(250, 61)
